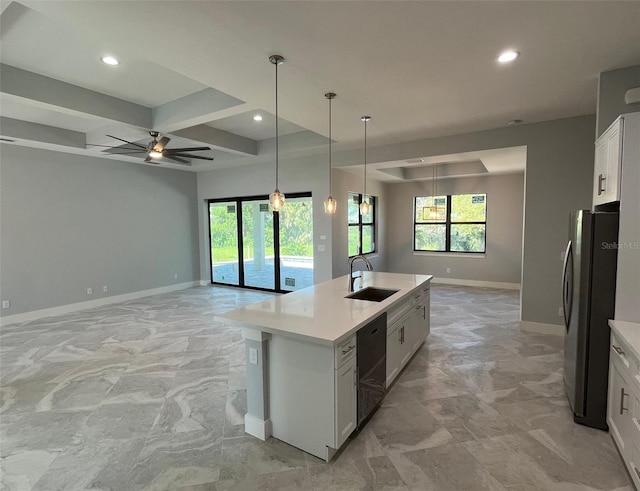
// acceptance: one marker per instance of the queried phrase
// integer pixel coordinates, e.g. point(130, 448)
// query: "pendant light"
point(276, 199)
point(364, 206)
point(330, 204)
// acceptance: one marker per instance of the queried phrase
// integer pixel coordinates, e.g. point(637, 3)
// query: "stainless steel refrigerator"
point(588, 300)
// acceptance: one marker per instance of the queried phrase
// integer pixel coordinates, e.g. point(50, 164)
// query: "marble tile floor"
point(150, 395)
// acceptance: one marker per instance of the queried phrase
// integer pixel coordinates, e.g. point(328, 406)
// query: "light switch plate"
point(321, 247)
point(253, 356)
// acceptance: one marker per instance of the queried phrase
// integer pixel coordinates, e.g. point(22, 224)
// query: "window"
point(362, 229)
point(453, 223)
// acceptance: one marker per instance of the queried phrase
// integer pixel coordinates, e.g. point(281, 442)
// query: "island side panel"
point(257, 421)
point(302, 394)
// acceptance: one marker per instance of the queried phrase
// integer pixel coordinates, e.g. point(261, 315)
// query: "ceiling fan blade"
point(126, 141)
point(186, 149)
point(177, 159)
point(124, 153)
point(162, 142)
point(189, 156)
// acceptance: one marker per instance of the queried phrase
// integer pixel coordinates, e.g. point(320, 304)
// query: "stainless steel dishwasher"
point(372, 357)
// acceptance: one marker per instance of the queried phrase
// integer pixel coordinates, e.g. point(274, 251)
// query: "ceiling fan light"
point(276, 200)
point(155, 155)
point(330, 205)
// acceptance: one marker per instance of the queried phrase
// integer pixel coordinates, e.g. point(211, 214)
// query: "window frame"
point(374, 201)
point(448, 223)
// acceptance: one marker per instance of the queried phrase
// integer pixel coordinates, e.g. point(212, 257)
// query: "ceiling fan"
point(157, 149)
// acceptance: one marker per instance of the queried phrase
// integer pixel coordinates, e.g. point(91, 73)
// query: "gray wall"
point(612, 88)
point(70, 222)
point(559, 178)
point(343, 182)
point(502, 261)
point(295, 176)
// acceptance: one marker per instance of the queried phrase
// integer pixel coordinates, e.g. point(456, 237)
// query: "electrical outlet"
point(175, 276)
point(105, 289)
point(448, 270)
point(89, 291)
point(6, 304)
point(321, 247)
point(253, 356)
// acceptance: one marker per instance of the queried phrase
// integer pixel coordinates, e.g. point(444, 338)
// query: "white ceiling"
point(200, 71)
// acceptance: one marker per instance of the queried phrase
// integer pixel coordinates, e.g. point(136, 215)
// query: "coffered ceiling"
point(198, 72)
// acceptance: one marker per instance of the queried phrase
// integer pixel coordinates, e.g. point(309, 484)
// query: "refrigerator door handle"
point(567, 285)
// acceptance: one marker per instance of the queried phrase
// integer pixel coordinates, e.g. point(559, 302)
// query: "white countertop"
point(320, 313)
point(630, 334)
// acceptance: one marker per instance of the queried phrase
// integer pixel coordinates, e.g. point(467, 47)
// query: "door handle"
point(618, 350)
point(622, 394)
point(601, 180)
point(566, 293)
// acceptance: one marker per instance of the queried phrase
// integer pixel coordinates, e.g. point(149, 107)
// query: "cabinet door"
point(407, 334)
point(393, 353)
point(619, 409)
point(346, 402)
point(606, 179)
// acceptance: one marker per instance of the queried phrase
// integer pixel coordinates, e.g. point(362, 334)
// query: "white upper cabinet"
point(608, 161)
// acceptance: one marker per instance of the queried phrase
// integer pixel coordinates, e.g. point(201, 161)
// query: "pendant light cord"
point(365, 161)
point(277, 156)
point(330, 166)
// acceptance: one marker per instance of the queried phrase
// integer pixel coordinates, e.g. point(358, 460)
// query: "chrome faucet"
point(352, 280)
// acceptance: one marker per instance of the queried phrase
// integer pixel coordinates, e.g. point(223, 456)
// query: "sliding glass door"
point(223, 226)
point(253, 247)
point(258, 244)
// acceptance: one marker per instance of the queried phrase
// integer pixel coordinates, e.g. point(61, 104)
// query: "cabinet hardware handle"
point(601, 180)
point(618, 349)
point(622, 394)
point(355, 377)
point(348, 350)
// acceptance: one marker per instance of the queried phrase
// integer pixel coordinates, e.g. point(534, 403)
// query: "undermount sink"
point(372, 294)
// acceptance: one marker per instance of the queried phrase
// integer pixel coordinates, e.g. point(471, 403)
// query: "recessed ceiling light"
point(110, 60)
point(257, 117)
point(508, 56)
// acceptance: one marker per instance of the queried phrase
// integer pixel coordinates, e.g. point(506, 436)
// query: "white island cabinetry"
point(303, 389)
point(623, 408)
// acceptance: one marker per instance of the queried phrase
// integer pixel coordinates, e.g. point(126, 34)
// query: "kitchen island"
point(302, 356)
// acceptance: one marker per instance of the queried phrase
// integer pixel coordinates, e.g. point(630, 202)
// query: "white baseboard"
point(484, 284)
point(74, 307)
point(540, 328)
point(257, 427)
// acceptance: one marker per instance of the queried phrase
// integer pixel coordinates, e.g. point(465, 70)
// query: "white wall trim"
point(74, 307)
point(485, 284)
point(257, 427)
point(479, 255)
point(540, 328)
